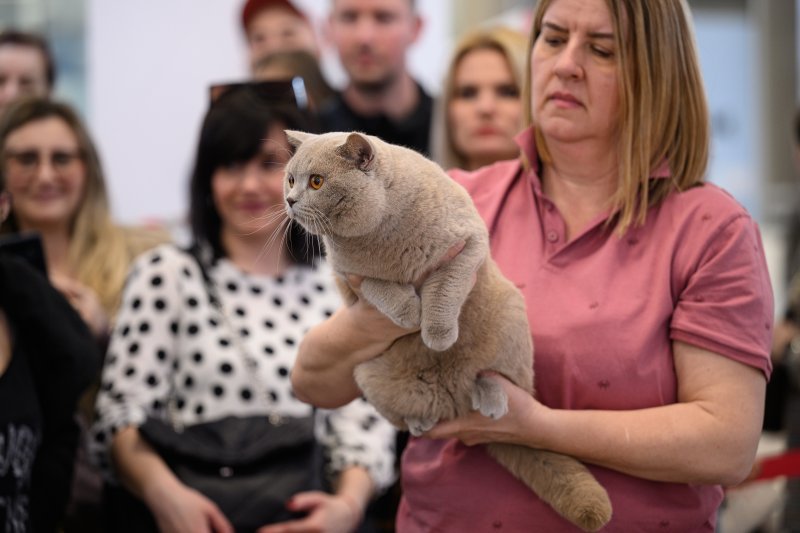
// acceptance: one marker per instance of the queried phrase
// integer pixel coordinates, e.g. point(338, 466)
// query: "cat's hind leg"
point(489, 398)
point(398, 301)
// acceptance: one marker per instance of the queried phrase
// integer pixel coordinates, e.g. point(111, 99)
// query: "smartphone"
point(27, 246)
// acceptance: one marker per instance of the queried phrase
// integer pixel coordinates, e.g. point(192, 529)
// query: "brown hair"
point(31, 40)
point(663, 110)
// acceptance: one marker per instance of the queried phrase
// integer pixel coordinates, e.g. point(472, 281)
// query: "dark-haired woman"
point(171, 346)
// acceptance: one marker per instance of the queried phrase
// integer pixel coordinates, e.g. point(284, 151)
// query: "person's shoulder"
point(487, 179)
point(706, 201)
point(165, 257)
point(139, 239)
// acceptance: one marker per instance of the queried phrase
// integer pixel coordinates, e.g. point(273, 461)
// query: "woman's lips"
point(565, 100)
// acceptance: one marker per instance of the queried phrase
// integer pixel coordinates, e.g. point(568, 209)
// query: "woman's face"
point(575, 93)
point(249, 196)
point(45, 174)
point(485, 112)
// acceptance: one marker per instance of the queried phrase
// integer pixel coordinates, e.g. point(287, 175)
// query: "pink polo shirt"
point(603, 312)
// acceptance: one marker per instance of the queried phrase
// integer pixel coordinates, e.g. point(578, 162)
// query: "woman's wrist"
point(357, 509)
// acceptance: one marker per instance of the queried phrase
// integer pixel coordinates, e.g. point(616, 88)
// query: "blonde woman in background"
point(58, 190)
point(480, 110)
point(53, 175)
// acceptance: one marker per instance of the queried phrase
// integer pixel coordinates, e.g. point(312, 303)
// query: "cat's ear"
point(358, 150)
point(296, 138)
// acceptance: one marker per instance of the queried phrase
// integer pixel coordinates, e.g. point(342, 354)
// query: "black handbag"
point(248, 466)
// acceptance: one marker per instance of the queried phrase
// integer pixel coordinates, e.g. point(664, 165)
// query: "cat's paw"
point(489, 398)
point(406, 315)
point(439, 338)
point(418, 426)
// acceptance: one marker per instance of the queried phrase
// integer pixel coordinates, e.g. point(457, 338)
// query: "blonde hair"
point(663, 110)
point(99, 252)
point(512, 45)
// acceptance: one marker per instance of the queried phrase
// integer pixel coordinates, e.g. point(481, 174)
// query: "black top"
point(54, 358)
point(412, 131)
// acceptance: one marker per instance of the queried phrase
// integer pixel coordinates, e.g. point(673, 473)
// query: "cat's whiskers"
point(280, 229)
point(278, 214)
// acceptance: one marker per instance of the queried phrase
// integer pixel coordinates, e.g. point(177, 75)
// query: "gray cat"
point(389, 214)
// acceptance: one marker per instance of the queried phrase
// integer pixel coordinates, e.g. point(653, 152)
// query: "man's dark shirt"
point(413, 131)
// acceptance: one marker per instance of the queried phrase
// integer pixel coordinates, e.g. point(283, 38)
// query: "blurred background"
point(139, 73)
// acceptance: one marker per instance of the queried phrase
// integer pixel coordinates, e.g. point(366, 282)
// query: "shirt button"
point(552, 236)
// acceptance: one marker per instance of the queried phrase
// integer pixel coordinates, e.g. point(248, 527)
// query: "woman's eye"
point(315, 181)
point(466, 92)
point(602, 52)
point(290, 179)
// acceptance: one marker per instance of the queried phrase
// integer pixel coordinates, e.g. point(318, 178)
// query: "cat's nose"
point(290, 201)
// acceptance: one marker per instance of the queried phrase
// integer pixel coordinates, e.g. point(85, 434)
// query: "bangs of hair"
point(233, 135)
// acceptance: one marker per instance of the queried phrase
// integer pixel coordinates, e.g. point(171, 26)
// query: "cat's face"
point(331, 186)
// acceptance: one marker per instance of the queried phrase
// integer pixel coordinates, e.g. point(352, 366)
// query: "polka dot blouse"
point(168, 334)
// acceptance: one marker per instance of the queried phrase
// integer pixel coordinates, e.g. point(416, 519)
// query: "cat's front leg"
point(445, 291)
point(398, 301)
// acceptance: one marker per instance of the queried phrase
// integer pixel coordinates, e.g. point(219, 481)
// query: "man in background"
point(276, 26)
point(26, 67)
point(381, 97)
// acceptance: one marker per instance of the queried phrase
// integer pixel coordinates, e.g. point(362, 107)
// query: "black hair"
point(232, 132)
point(21, 38)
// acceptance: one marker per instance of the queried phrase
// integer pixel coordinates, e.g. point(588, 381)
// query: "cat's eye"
point(290, 179)
point(315, 181)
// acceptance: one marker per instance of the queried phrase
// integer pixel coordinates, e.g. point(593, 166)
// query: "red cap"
point(252, 7)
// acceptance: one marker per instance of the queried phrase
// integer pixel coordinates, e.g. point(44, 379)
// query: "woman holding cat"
point(646, 289)
point(211, 332)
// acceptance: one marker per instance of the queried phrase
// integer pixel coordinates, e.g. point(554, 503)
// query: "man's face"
point(23, 72)
point(372, 37)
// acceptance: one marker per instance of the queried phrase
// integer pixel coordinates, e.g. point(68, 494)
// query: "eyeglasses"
point(25, 162)
point(291, 93)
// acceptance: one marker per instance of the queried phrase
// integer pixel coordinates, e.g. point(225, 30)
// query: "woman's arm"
point(708, 437)
point(175, 506)
point(323, 371)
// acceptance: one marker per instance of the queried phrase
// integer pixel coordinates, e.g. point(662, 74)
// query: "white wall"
point(149, 64)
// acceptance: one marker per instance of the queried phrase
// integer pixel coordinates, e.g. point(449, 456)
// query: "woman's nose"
point(570, 61)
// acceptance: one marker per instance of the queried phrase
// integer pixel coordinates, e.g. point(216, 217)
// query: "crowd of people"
point(148, 386)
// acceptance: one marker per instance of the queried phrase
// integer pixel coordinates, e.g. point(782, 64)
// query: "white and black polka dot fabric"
point(168, 332)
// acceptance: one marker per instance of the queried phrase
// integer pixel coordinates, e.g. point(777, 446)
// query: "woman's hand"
point(180, 509)
point(514, 427)
point(86, 303)
point(327, 513)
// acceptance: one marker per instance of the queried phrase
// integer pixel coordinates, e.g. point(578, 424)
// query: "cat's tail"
point(561, 481)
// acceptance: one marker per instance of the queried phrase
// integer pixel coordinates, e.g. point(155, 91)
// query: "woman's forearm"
point(355, 486)
point(323, 371)
point(139, 467)
point(708, 437)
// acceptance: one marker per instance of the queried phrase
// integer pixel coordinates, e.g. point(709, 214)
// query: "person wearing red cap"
point(276, 26)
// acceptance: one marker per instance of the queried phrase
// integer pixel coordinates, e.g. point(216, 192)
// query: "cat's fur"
point(389, 214)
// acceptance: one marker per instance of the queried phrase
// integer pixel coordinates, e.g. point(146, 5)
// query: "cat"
point(387, 213)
